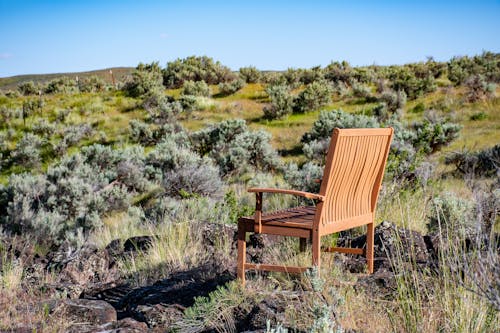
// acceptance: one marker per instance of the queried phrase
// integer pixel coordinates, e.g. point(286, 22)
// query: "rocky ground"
point(90, 293)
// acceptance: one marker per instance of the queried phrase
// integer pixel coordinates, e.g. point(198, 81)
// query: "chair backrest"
point(353, 175)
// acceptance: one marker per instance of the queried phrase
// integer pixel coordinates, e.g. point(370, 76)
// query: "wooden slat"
point(276, 268)
point(349, 223)
point(349, 250)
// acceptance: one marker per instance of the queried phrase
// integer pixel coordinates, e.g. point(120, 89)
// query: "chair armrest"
point(292, 192)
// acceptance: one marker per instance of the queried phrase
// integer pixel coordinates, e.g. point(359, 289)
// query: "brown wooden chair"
point(347, 199)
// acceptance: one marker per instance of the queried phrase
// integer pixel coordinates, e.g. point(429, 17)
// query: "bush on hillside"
point(63, 85)
point(314, 96)
point(304, 178)
point(250, 74)
point(27, 151)
point(339, 72)
point(483, 163)
point(433, 134)
point(281, 104)
point(235, 148)
point(328, 120)
point(146, 79)
point(478, 88)
point(195, 69)
point(91, 84)
point(403, 78)
point(394, 100)
point(69, 199)
point(195, 88)
point(229, 88)
point(29, 88)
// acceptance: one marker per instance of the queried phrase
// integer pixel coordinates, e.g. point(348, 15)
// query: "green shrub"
point(478, 88)
point(328, 120)
point(28, 88)
point(394, 100)
point(451, 213)
point(478, 116)
point(360, 90)
point(281, 102)
point(250, 74)
point(145, 79)
point(304, 178)
point(403, 78)
point(228, 88)
point(195, 69)
point(145, 134)
point(314, 96)
point(419, 108)
point(339, 72)
point(485, 162)
point(73, 134)
point(61, 85)
point(195, 88)
point(234, 148)
point(27, 151)
point(433, 134)
point(91, 84)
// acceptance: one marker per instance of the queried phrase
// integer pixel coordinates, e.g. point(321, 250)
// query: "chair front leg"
point(369, 246)
point(242, 252)
point(316, 249)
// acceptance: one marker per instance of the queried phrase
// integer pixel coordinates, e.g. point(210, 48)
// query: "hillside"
point(119, 203)
point(12, 82)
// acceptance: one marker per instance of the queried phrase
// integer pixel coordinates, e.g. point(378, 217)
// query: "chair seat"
point(297, 217)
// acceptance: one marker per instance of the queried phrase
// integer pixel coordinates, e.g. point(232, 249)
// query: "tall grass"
point(441, 299)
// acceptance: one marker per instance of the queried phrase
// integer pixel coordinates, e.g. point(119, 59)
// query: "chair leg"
point(303, 244)
point(316, 250)
point(369, 246)
point(242, 249)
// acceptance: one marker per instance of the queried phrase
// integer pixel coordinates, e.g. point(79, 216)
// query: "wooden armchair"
point(347, 199)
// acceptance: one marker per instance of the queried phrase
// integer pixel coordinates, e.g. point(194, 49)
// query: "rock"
point(391, 241)
point(126, 325)
point(381, 283)
point(138, 243)
point(115, 248)
point(267, 310)
point(80, 269)
point(85, 312)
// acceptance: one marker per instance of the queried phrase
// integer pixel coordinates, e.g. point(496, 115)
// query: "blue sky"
point(63, 36)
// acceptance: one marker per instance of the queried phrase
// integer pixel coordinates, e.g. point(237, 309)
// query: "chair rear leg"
point(303, 244)
point(369, 246)
point(316, 250)
point(242, 249)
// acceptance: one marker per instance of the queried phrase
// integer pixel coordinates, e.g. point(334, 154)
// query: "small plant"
point(478, 116)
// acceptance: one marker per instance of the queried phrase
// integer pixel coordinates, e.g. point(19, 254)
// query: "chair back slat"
point(353, 173)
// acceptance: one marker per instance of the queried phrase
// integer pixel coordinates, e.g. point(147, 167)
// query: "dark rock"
point(391, 241)
point(80, 269)
point(268, 310)
point(381, 283)
point(138, 243)
point(85, 312)
point(126, 325)
point(115, 248)
point(112, 292)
